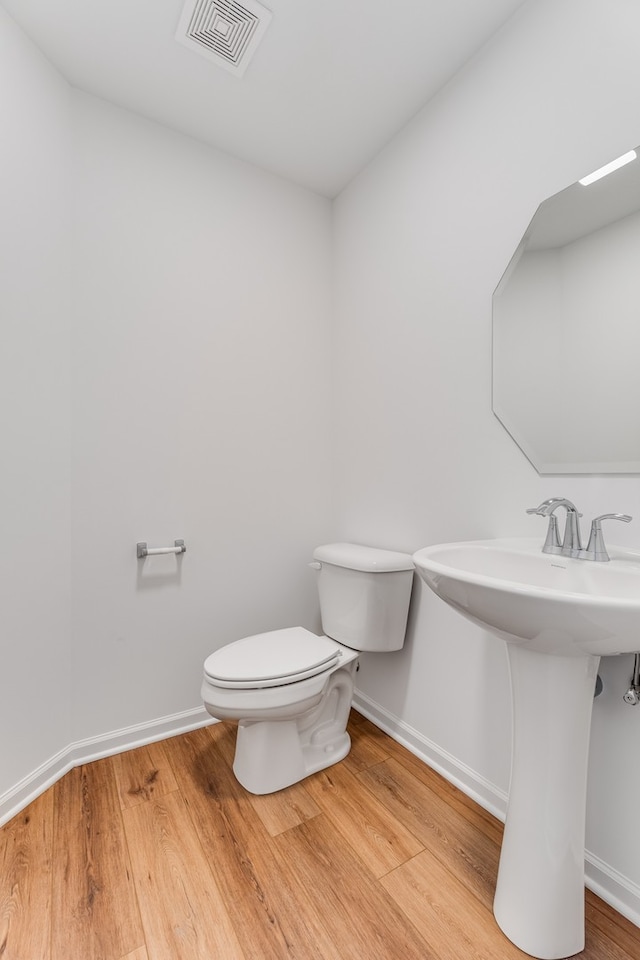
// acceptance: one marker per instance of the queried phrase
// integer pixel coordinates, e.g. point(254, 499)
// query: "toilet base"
point(274, 754)
point(269, 755)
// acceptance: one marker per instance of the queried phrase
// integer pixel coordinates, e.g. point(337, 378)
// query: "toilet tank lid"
point(367, 559)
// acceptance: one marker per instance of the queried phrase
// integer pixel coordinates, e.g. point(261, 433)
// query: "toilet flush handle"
point(315, 565)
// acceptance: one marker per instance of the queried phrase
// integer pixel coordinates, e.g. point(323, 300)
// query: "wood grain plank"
point(347, 900)
point(25, 881)
point(142, 774)
point(605, 922)
point(307, 893)
point(94, 902)
point(139, 954)
point(443, 831)
point(451, 794)
point(285, 809)
point(598, 946)
point(459, 927)
point(271, 920)
point(367, 729)
point(380, 842)
point(454, 924)
point(183, 914)
point(365, 751)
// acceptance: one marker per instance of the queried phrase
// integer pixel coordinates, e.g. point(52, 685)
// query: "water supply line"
point(632, 696)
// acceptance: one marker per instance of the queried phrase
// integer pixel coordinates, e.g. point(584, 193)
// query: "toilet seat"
point(271, 659)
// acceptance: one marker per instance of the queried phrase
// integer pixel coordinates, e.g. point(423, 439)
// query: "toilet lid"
point(271, 659)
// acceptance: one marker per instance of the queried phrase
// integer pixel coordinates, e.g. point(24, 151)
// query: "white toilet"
point(291, 690)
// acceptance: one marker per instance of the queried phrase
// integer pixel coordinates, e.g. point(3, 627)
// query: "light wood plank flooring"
point(159, 854)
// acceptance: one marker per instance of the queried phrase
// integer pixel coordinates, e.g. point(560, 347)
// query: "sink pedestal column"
point(539, 902)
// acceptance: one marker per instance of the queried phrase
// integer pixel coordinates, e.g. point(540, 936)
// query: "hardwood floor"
point(159, 854)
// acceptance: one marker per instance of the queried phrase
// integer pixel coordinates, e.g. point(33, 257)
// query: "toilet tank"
point(364, 595)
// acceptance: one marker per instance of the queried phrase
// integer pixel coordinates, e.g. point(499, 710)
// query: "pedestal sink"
point(558, 616)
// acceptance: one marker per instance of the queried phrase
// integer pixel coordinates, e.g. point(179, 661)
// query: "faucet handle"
point(596, 548)
point(614, 516)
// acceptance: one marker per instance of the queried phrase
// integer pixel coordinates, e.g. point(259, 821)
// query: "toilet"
point(290, 690)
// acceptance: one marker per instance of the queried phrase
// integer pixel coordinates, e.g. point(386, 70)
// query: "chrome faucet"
point(571, 540)
point(571, 545)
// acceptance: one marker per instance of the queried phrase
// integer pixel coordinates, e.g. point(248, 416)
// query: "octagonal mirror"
point(566, 329)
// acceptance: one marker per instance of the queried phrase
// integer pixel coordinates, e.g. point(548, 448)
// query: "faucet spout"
point(572, 541)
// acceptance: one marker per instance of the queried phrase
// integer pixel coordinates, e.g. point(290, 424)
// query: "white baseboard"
point(94, 748)
point(487, 794)
point(612, 887)
point(606, 882)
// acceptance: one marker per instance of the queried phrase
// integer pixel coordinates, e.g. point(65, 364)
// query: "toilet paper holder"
point(143, 550)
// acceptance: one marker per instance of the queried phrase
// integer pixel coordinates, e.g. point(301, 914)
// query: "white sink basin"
point(557, 616)
point(551, 604)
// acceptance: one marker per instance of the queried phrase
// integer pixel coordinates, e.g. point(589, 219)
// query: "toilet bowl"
point(291, 690)
point(289, 726)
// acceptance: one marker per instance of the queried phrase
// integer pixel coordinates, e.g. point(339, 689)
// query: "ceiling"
point(331, 82)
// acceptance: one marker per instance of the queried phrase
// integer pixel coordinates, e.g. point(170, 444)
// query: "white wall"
point(423, 236)
point(200, 384)
point(34, 409)
point(165, 374)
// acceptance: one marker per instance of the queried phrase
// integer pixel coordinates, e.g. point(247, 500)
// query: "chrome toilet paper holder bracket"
point(143, 550)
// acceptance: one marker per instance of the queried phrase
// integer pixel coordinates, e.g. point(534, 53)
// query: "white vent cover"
point(225, 31)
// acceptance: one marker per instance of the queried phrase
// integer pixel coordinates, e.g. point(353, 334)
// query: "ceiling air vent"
point(225, 31)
